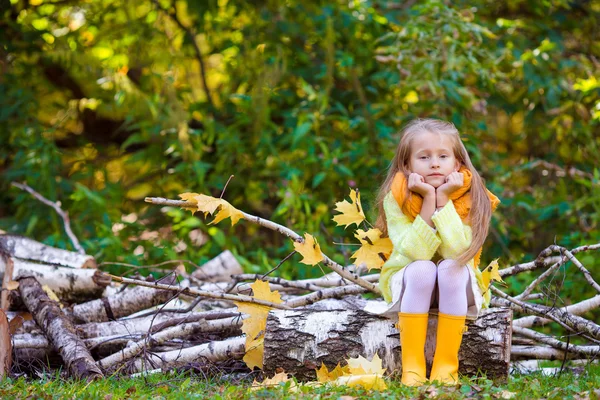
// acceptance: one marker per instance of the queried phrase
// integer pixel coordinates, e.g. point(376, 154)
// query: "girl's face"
point(432, 157)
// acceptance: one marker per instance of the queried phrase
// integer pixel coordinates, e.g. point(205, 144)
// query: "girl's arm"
point(414, 240)
point(455, 236)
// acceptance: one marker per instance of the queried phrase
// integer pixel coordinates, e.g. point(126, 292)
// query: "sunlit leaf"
point(374, 251)
point(351, 213)
point(309, 249)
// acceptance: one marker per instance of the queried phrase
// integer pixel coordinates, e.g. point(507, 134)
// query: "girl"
point(436, 210)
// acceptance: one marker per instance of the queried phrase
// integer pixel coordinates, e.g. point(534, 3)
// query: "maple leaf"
point(374, 251)
point(309, 249)
point(361, 365)
point(490, 273)
point(254, 326)
point(324, 375)
point(191, 198)
point(358, 372)
point(351, 213)
point(210, 205)
point(276, 380)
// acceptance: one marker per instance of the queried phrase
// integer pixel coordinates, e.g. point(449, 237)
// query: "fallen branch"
point(342, 271)
point(63, 214)
point(59, 329)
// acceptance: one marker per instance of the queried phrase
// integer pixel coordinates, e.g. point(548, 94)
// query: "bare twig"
point(202, 293)
point(63, 214)
point(342, 271)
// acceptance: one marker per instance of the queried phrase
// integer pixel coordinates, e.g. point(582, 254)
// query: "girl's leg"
point(452, 282)
point(419, 282)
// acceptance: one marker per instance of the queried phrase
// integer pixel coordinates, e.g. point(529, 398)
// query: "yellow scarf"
point(411, 206)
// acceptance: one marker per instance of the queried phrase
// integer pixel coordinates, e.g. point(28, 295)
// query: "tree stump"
point(300, 340)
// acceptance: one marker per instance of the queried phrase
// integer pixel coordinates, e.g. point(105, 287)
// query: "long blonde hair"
point(481, 209)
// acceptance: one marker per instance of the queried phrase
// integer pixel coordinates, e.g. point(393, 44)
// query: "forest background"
point(104, 102)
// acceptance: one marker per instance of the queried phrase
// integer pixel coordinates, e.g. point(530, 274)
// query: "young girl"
point(436, 210)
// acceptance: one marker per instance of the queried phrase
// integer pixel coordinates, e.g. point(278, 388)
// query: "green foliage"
point(104, 103)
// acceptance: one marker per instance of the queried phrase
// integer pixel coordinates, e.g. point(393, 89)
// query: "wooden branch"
point(573, 323)
point(194, 292)
point(278, 281)
point(59, 329)
point(178, 331)
point(63, 214)
point(576, 309)
point(519, 352)
point(342, 271)
point(571, 257)
point(232, 348)
point(325, 294)
point(593, 351)
point(122, 304)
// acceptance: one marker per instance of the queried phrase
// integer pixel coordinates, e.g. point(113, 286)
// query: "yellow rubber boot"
point(413, 332)
point(449, 337)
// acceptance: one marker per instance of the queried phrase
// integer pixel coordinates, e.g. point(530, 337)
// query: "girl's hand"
point(454, 181)
point(417, 184)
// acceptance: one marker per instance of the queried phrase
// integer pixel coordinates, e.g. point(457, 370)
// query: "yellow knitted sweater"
point(415, 240)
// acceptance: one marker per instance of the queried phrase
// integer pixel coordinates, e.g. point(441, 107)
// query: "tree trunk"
point(59, 329)
point(300, 340)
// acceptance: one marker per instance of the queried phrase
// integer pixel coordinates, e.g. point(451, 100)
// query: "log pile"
point(63, 311)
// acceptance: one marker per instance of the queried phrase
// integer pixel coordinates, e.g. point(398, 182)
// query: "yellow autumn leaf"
point(367, 381)
point(361, 366)
point(210, 205)
point(12, 285)
point(374, 251)
point(191, 198)
point(490, 273)
point(254, 326)
point(276, 380)
point(309, 249)
point(351, 213)
point(324, 375)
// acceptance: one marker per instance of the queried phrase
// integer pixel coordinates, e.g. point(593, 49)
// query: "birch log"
point(300, 340)
point(219, 269)
point(229, 349)
point(28, 249)
point(59, 329)
point(127, 302)
point(69, 284)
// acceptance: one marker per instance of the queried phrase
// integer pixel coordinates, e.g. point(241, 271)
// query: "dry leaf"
point(374, 251)
point(52, 295)
point(367, 381)
point(490, 273)
point(12, 285)
point(254, 326)
point(323, 375)
point(310, 250)
point(356, 365)
point(191, 198)
point(210, 205)
point(351, 213)
point(276, 380)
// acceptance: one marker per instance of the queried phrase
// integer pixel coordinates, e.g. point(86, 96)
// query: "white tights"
point(419, 283)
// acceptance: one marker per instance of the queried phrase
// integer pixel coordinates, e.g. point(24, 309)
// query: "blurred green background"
point(104, 102)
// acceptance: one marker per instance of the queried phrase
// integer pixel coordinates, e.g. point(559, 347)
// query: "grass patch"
point(580, 383)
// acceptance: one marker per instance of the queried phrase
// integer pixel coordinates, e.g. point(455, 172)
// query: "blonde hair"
point(481, 209)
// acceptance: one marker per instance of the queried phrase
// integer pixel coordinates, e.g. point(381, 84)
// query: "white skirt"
point(391, 310)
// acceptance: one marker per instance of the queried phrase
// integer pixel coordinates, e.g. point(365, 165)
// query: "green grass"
point(583, 384)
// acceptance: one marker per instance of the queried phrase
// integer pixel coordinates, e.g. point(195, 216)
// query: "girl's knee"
point(423, 265)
